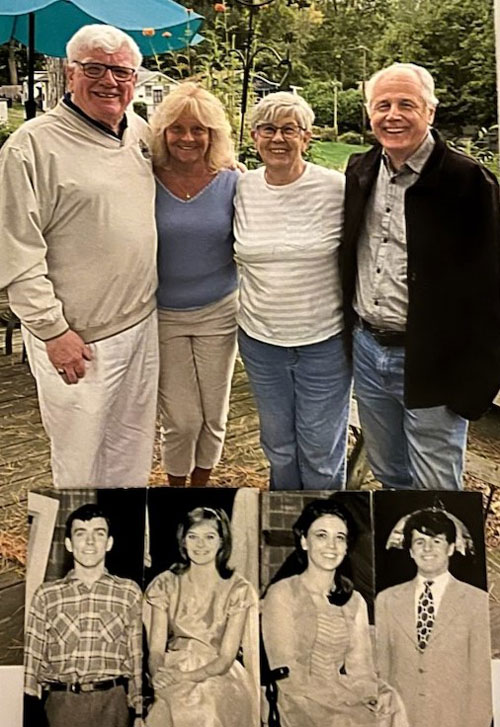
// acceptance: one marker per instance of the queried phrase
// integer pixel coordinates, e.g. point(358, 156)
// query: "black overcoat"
point(452, 217)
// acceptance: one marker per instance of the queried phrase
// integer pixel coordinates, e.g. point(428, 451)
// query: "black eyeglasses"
point(98, 70)
point(289, 131)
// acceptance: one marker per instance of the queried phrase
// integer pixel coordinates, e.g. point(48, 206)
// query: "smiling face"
point(202, 542)
point(103, 99)
point(326, 542)
point(431, 553)
point(282, 156)
point(399, 116)
point(89, 542)
point(187, 140)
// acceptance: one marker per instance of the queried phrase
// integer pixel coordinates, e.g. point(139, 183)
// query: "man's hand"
point(68, 353)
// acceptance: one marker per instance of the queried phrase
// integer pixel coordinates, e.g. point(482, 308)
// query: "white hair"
point(423, 75)
point(102, 37)
point(283, 103)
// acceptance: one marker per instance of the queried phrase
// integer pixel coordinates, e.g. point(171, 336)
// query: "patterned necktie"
point(425, 615)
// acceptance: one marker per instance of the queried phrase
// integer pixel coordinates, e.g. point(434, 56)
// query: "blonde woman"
point(197, 298)
point(200, 607)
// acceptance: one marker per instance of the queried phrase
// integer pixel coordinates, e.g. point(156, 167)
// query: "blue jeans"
point(406, 448)
point(302, 395)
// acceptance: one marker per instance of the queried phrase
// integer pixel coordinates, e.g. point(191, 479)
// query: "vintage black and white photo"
point(432, 625)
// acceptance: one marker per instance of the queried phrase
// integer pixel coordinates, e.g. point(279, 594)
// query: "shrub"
point(351, 137)
point(141, 109)
point(327, 134)
point(5, 132)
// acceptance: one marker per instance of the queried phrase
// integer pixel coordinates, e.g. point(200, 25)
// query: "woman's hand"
point(166, 678)
point(155, 662)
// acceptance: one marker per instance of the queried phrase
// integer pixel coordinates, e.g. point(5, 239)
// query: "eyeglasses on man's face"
point(98, 70)
point(288, 131)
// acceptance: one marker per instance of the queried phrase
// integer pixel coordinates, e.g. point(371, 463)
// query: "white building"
point(151, 88)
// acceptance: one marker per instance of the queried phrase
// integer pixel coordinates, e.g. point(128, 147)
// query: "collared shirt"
point(381, 286)
point(77, 633)
point(438, 588)
point(123, 123)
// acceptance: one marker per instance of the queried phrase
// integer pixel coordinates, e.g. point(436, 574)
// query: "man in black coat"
point(420, 267)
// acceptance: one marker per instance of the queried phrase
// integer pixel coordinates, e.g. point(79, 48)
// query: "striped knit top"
point(332, 640)
point(287, 240)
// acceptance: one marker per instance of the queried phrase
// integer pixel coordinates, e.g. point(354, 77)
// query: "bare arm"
point(157, 638)
point(134, 647)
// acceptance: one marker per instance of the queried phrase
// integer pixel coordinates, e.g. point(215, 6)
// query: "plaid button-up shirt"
point(382, 288)
point(80, 634)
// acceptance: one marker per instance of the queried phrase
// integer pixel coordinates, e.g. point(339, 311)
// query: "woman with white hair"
point(197, 297)
point(288, 224)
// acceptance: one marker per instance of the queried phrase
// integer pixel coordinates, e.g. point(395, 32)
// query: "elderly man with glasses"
point(78, 244)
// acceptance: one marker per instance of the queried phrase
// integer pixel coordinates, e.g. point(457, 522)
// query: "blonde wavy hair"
point(204, 107)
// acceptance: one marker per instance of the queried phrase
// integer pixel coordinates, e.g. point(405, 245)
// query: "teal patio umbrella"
point(46, 26)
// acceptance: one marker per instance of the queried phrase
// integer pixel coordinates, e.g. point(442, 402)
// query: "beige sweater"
point(77, 229)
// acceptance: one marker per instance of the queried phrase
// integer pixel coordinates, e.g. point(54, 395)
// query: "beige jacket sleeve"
point(23, 248)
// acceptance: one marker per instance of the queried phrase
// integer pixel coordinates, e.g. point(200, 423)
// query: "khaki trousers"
point(101, 429)
point(197, 354)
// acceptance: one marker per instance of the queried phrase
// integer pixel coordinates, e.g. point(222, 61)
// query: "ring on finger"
point(61, 371)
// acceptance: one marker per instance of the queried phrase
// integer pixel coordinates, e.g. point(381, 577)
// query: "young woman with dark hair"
point(316, 624)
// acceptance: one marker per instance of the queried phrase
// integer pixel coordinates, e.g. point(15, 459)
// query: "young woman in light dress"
point(199, 612)
point(316, 625)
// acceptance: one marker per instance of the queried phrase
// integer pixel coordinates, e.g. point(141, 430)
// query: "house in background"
point(151, 88)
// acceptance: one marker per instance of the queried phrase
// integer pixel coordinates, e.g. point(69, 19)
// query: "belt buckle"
point(75, 688)
point(87, 687)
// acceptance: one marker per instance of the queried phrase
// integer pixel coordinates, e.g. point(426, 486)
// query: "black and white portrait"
point(200, 608)
point(432, 627)
point(316, 628)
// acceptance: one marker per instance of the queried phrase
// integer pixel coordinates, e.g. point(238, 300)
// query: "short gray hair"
point(423, 75)
point(283, 103)
point(102, 37)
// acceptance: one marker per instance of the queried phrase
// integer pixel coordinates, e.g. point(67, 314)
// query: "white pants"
point(101, 429)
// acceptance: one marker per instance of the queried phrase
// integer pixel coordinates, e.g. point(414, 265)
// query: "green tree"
point(454, 39)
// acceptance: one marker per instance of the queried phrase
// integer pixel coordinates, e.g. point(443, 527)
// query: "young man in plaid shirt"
point(83, 641)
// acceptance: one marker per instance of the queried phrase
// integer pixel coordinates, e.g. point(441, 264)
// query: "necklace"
point(176, 183)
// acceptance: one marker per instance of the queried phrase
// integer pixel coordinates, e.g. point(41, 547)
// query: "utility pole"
point(497, 46)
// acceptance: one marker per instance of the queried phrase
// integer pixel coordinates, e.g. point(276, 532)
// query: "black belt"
point(384, 336)
point(85, 687)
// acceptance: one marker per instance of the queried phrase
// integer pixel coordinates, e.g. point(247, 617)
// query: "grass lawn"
point(334, 155)
point(16, 116)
